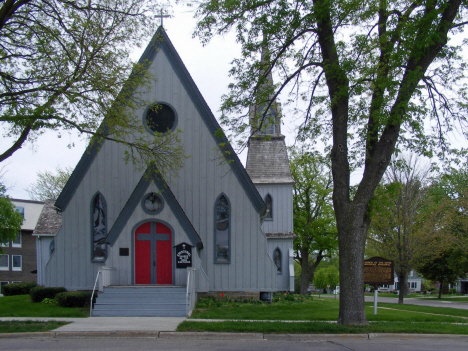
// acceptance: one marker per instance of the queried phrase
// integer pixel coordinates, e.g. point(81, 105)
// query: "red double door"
point(153, 254)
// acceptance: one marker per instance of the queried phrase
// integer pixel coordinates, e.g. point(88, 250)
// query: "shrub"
point(73, 298)
point(17, 289)
point(40, 293)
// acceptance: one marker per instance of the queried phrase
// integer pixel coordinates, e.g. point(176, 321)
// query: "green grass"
point(29, 326)
point(21, 306)
point(320, 316)
point(323, 327)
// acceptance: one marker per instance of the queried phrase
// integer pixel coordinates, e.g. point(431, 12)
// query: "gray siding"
point(201, 180)
point(282, 196)
point(284, 246)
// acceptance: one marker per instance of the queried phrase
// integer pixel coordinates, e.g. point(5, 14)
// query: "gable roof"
point(169, 198)
point(161, 41)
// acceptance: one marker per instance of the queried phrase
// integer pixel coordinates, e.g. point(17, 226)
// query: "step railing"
point(92, 294)
point(190, 297)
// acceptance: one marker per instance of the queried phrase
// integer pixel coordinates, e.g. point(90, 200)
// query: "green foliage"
point(39, 293)
point(10, 219)
point(314, 218)
point(49, 185)
point(17, 289)
point(447, 228)
point(66, 66)
point(22, 306)
point(73, 299)
point(366, 79)
point(327, 276)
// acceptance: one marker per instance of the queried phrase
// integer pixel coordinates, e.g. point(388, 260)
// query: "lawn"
point(21, 306)
point(320, 315)
point(29, 326)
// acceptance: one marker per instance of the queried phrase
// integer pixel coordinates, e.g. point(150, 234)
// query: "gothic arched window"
point(269, 206)
point(98, 228)
point(222, 230)
point(277, 259)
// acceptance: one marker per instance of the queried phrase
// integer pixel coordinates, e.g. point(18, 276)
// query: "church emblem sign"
point(183, 255)
point(378, 271)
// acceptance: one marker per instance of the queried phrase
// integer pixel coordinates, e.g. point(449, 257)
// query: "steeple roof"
point(267, 157)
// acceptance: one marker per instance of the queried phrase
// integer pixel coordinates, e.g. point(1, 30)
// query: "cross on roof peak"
point(161, 16)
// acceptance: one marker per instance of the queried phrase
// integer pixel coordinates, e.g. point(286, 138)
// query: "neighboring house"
point(137, 228)
point(414, 283)
point(18, 262)
point(47, 227)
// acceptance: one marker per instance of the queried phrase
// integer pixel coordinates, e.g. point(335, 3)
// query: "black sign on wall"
point(183, 255)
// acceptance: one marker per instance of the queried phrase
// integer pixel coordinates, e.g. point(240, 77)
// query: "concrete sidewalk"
point(111, 324)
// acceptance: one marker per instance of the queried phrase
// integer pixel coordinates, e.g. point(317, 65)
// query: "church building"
point(215, 228)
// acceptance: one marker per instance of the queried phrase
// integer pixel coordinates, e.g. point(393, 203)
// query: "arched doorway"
point(153, 254)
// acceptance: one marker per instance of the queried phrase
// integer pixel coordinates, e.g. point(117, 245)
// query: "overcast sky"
point(208, 66)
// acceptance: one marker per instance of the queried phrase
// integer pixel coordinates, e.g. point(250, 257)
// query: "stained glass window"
point(277, 259)
point(222, 230)
point(99, 228)
point(160, 118)
point(269, 206)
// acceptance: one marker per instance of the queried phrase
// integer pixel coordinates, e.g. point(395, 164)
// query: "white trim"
point(13, 268)
point(20, 241)
point(7, 267)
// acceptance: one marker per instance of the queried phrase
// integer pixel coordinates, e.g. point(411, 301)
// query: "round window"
point(160, 118)
point(152, 203)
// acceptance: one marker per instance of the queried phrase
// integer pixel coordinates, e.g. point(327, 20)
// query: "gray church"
point(216, 229)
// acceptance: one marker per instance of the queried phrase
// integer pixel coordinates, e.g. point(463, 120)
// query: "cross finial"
point(161, 17)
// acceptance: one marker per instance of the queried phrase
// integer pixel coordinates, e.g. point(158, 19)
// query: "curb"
point(226, 336)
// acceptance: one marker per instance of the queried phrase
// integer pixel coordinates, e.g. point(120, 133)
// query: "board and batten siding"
point(284, 245)
point(204, 176)
point(282, 200)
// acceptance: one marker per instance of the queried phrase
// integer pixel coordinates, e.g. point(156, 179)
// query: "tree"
point(396, 212)
point(446, 225)
point(368, 72)
point(327, 278)
point(49, 185)
point(64, 65)
point(314, 219)
point(10, 219)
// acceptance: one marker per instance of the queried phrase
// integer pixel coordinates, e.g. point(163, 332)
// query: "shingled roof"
point(267, 160)
point(49, 221)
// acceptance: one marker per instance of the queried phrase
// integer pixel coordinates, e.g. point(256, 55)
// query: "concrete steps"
point(141, 301)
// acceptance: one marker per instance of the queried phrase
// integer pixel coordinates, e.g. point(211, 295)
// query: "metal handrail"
point(92, 295)
point(190, 294)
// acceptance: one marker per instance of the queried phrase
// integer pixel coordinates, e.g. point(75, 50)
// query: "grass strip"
point(323, 328)
point(427, 309)
point(29, 326)
point(21, 306)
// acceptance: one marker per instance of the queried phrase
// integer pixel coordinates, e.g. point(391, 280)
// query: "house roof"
point(49, 220)
point(161, 41)
point(267, 160)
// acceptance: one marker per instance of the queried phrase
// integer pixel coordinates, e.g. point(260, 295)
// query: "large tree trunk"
point(403, 279)
point(440, 290)
point(352, 231)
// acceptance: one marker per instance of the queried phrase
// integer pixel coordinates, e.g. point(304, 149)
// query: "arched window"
point(98, 228)
point(277, 259)
point(269, 206)
point(222, 230)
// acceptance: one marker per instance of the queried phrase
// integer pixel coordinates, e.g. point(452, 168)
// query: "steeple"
point(267, 157)
point(268, 123)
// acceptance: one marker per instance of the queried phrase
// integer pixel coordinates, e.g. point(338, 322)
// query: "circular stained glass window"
point(160, 118)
